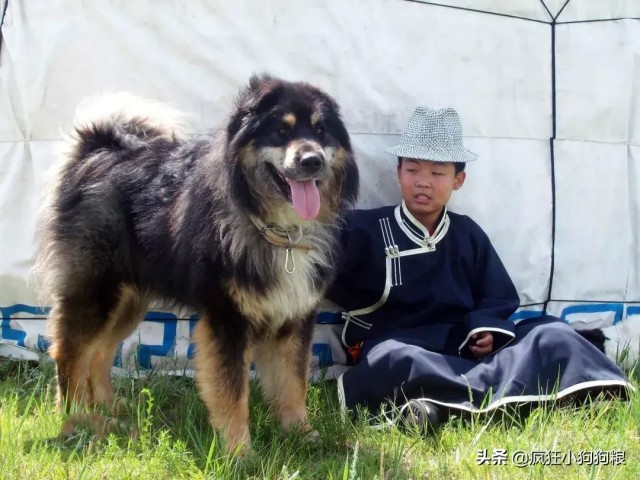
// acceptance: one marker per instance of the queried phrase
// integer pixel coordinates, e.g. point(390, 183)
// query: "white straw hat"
point(433, 134)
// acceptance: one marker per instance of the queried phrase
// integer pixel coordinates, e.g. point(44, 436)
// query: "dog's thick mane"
point(280, 286)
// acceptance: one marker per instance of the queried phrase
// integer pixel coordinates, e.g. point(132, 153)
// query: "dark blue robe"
point(411, 302)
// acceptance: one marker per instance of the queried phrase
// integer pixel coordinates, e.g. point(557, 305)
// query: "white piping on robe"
point(392, 262)
point(487, 329)
point(428, 243)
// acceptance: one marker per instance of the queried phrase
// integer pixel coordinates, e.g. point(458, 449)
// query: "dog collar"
point(284, 237)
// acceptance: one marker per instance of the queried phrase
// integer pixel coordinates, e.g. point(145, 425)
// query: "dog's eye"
point(319, 130)
point(283, 131)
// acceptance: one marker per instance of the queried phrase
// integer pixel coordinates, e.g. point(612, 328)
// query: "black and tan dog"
point(240, 226)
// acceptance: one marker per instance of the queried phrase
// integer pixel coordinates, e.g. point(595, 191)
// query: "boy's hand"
point(481, 344)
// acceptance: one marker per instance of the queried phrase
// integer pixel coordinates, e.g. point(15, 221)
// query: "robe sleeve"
point(495, 296)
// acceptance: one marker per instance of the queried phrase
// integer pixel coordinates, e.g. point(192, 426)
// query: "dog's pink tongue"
point(305, 198)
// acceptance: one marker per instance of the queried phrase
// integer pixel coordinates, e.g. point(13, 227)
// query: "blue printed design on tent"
point(7, 332)
point(168, 320)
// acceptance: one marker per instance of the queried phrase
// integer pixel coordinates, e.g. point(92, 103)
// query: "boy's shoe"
point(425, 415)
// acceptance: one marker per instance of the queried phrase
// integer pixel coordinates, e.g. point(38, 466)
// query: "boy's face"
point(427, 186)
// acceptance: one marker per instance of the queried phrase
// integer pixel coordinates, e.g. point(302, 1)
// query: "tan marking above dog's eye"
point(289, 119)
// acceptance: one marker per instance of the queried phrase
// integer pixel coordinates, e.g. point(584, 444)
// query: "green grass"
point(175, 440)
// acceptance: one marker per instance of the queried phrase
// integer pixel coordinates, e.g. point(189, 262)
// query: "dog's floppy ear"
point(334, 121)
point(260, 94)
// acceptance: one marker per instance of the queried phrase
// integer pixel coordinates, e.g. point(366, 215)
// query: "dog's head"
point(290, 152)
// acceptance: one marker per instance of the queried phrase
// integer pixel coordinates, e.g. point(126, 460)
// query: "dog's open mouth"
point(303, 194)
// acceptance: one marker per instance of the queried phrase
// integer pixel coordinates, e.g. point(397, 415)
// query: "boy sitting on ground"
point(427, 301)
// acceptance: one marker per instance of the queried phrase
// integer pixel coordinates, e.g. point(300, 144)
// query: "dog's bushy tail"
point(104, 128)
point(121, 121)
point(115, 123)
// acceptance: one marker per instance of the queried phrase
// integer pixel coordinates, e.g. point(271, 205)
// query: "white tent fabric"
point(551, 107)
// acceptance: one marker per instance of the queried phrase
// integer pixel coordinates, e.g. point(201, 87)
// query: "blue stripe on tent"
point(322, 351)
point(525, 314)
point(616, 308)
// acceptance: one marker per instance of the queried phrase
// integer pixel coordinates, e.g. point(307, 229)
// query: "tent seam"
point(478, 11)
point(4, 12)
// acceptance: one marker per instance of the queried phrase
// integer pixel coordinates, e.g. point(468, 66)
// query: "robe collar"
point(418, 232)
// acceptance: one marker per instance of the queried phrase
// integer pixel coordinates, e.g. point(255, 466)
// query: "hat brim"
point(425, 153)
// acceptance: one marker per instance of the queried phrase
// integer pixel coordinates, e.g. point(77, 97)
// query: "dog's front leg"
point(282, 362)
point(222, 364)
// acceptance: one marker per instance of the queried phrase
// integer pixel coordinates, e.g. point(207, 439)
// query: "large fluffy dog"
point(240, 226)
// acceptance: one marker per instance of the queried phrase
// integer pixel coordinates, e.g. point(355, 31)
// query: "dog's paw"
point(305, 429)
point(313, 436)
point(98, 423)
point(242, 450)
point(121, 407)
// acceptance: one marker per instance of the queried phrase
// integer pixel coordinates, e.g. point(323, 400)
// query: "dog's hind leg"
point(85, 331)
point(222, 364)
point(74, 323)
point(72, 352)
point(122, 321)
point(282, 363)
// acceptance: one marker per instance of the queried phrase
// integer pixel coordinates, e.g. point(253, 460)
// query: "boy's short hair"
point(459, 166)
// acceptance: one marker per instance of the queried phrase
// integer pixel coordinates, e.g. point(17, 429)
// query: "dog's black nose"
point(311, 162)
